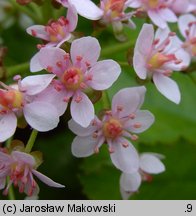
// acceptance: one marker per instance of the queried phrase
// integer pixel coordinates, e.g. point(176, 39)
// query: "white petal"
point(49, 57)
point(39, 31)
point(124, 194)
point(35, 65)
point(130, 182)
point(41, 116)
point(86, 47)
point(72, 16)
point(82, 112)
point(151, 164)
point(54, 97)
point(157, 19)
point(184, 21)
point(139, 64)
point(143, 117)
point(125, 159)
point(145, 40)
point(36, 84)
point(23, 157)
point(129, 99)
point(161, 34)
point(81, 131)
point(84, 146)
point(8, 124)
point(168, 15)
point(2, 183)
point(47, 180)
point(167, 87)
point(104, 74)
point(87, 9)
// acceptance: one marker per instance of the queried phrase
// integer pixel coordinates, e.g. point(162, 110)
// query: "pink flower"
point(109, 12)
point(85, 8)
point(54, 34)
point(19, 100)
point(149, 163)
point(20, 167)
point(115, 128)
point(159, 11)
point(157, 57)
point(78, 72)
point(181, 7)
point(187, 26)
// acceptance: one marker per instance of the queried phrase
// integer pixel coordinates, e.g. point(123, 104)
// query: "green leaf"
point(100, 179)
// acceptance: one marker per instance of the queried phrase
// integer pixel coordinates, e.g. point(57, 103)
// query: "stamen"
point(59, 64)
point(49, 68)
point(78, 99)
point(137, 125)
point(134, 137)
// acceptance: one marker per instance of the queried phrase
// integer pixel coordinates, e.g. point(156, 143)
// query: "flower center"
point(11, 99)
point(114, 7)
point(57, 29)
point(153, 3)
point(112, 128)
point(158, 59)
point(72, 78)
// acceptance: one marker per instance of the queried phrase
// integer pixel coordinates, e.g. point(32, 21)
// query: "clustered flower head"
point(74, 73)
point(77, 72)
point(20, 167)
point(116, 128)
point(157, 56)
point(22, 99)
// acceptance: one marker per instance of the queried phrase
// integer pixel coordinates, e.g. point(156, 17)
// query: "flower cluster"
point(73, 73)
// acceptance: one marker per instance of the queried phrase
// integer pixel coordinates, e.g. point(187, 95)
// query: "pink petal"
point(145, 40)
point(36, 84)
point(49, 57)
point(8, 124)
point(38, 31)
point(157, 19)
point(86, 47)
point(139, 64)
point(68, 36)
point(104, 74)
point(144, 118)
point(35, 65)
point(167, 87)
point(41, 116)
point(134, 4)
point(82, 112)
point(184, 21)
point(161, 35)
point(72, 16)
point(151, 164)
point(2, 183)
point(87, 9)
point(168, 15)
point(185, 58)
point(5, 158)
point(181, 7)
point(85, 146)
point(130, 182)
point(125, 159)
point(81, 131)
point(52, 96)
point(47, 180)
point(23, 157)
point(129, 99)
